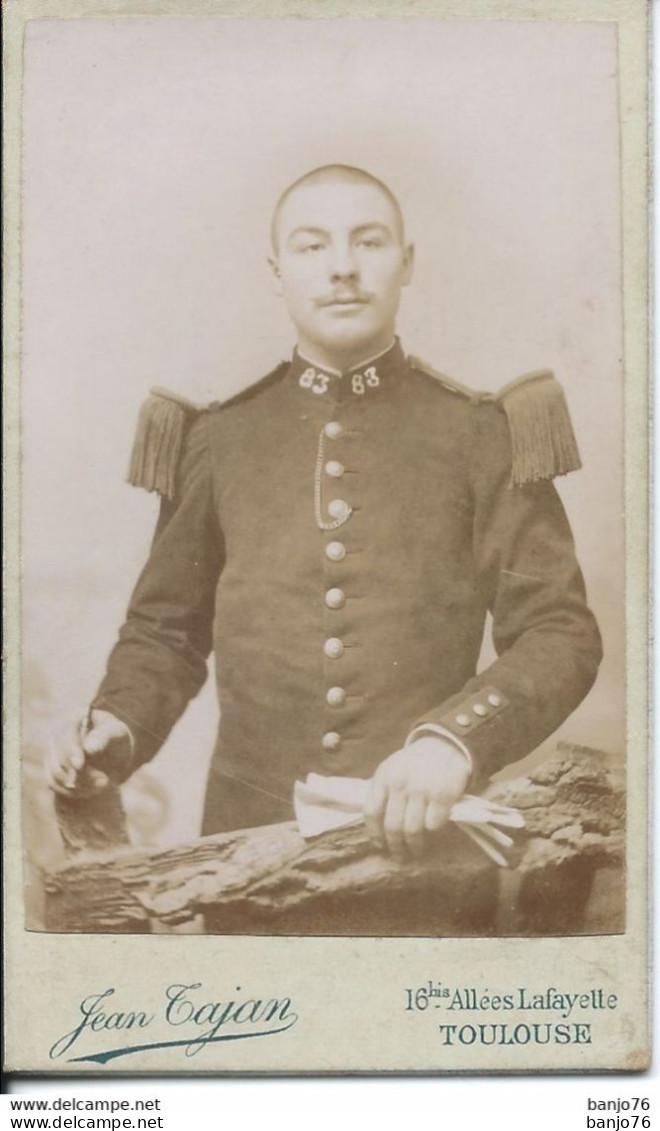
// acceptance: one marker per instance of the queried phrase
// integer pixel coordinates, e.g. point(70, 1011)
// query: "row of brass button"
point(334, 598)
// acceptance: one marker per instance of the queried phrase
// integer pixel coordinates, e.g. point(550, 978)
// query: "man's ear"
point(408, 263)
point(274, 266)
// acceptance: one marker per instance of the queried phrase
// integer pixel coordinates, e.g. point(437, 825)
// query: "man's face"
point(340, 262)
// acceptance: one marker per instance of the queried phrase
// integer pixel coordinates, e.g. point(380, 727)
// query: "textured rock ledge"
point(269, 881)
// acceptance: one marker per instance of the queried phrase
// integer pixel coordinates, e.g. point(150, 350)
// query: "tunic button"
point(338, 508)
point(336, 697)
point(480, 710)
point(336, 551)
point(463, 720)
point(333, 648)
point(333, 429)
point(335, 598)
point(334, 468)
point(331, 740)
point(494, 700)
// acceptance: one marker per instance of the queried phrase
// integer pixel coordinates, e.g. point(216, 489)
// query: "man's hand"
point(412, 793)
point(104, 746)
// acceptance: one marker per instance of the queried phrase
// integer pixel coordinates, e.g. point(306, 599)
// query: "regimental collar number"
point(319, 382)
point(364, 380)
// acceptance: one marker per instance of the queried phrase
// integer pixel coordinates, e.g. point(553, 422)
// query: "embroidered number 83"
point(317, 382)
point(359, 381)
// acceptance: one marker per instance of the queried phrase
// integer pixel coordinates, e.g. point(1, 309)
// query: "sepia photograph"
point(325, 623)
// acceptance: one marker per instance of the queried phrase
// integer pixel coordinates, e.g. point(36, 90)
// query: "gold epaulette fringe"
point(158, 442)
point(542, 435)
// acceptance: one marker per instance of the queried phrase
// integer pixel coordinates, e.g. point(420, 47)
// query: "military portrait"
point(342, 566)
point(354, 591)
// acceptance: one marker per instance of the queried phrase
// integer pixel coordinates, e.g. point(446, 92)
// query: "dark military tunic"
point(338, 542)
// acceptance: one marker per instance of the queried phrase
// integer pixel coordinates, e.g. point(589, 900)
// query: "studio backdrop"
point(154, 151)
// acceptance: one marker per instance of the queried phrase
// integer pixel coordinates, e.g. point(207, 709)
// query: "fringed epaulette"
point(161, 429)
point(542, 437)
point(162, 424)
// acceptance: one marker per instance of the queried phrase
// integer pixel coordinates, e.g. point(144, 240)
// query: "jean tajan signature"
point(197, 1023)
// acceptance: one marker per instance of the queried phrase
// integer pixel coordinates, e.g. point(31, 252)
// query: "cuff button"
point(495, 700)
point(463, 720)
point(480, 710)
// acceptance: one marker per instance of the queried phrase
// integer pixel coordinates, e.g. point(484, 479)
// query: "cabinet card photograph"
point(328, 332)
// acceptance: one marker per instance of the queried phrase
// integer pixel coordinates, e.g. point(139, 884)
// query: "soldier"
point(337, 533)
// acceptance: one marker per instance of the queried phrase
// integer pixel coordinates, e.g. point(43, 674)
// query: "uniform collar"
point(361, 381)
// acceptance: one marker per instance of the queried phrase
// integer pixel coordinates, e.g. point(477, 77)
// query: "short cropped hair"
point(340, 174)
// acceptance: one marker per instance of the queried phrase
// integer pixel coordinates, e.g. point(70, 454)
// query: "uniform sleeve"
point(546, 639)
point(159, 662)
